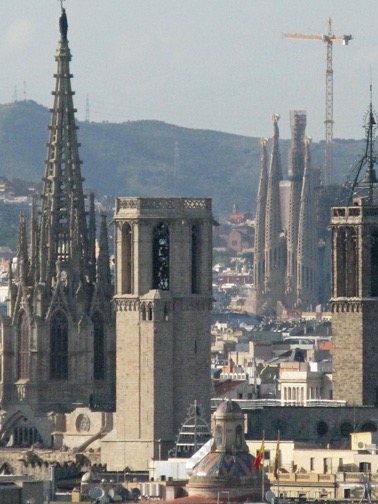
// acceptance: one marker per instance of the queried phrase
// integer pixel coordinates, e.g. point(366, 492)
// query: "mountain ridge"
point(137, 158)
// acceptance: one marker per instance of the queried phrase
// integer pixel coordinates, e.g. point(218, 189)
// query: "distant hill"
point(137, 158)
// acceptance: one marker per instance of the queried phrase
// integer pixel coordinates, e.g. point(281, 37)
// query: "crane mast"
point(328, 164)
point(328, 39)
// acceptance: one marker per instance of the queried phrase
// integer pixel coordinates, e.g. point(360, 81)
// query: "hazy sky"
point(209, 64)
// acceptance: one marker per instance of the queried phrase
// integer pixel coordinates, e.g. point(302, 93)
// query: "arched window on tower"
point(59, 346)
point(98, 346)
point(238, 436)
point(126, 260)
point(22, 347)
point(346, 261)
point(160, 257)
point(218, 437)
point(195, 260)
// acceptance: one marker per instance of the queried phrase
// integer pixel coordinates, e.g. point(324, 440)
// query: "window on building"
point(22, 347)
point(327, 465)
point(126, 259)
point(26, 436)
point(160, 257)
point(59, 346)
point(98, 346)
point(312, 464)
point(346, 493)
point(364, 467)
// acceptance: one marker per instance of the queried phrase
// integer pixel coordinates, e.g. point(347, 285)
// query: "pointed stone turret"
point(92, 238)
point(274, 250)
point(103, 260)
point(307, 239)
point(22, 252)
point(34, 268)
point(259, 247)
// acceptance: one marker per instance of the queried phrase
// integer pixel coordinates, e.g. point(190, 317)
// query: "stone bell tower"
point(163, 303)
point(355, 284)
point(355, 303)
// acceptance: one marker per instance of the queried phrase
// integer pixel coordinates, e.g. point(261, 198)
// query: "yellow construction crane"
point(328, 39)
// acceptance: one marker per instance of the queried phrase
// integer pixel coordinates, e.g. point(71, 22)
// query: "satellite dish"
point(269, 496)
point(96, 493)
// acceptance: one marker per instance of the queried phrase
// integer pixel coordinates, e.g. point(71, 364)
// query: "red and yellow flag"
point(259, 457)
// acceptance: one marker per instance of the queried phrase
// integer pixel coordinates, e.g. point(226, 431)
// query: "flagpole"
point(263, 470)
point(278, 465)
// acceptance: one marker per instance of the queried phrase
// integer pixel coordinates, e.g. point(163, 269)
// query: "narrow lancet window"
point(22, 347)
point(59, 346)
point(126, 258)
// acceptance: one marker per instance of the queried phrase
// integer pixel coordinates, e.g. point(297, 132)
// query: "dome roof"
point(229, 406)
point(226, 465)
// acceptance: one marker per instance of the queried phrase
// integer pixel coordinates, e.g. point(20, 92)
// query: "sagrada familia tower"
point(286, 237)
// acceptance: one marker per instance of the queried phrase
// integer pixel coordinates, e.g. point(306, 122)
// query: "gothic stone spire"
point(62, 190)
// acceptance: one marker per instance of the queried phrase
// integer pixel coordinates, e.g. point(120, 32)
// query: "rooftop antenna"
point(61, 3)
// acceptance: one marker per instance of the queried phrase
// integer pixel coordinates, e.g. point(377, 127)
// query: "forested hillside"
point(138, 158)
